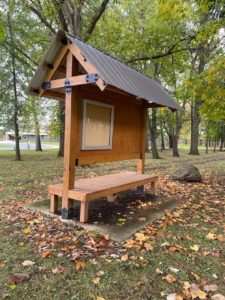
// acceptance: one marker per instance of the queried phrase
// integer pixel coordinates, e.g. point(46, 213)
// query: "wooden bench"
point(89, 189)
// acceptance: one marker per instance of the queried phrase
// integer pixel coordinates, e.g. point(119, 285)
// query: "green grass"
point(131, 279)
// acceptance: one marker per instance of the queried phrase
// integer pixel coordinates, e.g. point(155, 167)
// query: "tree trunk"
point(162, 138)
point(62, 128)
point(152, 130)
point(195, 116)
point(195, 121)
point(170, 141)
point(175, 145)
point(15, 102)
point(37, 132)
point(221, 144)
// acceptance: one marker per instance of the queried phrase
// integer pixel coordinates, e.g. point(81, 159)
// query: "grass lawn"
point(182, 253)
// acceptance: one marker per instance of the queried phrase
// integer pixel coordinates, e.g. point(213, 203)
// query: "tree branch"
point(95, 19)
point(157, 56)
point(18, 49)
point(43, 19)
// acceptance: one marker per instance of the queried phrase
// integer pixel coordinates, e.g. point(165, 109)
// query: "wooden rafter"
point(57, 63)
point(89, 68)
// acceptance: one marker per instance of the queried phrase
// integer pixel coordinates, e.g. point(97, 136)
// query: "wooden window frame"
point(98, 103)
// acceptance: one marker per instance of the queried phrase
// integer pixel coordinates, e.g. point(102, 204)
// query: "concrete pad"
point(131, 212)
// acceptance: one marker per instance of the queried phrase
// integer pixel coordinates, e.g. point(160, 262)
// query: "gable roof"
point(111, 70)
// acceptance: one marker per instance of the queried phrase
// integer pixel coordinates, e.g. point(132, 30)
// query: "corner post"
point(141, 161)
point(71, 102)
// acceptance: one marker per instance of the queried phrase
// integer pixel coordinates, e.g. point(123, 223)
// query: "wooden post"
point(71, 103)
point(141, 161)
point(54, 203)
point(153, 188)
point(84, 211)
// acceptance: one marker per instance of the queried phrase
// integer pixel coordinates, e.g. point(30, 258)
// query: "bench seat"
point(89, 189)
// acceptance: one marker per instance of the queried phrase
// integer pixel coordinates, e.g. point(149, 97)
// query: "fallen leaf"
point(58, 270)
point(96, 280)
point(100, 273)
point(195, 276)
point(28, 263)
point(186, 285)
point(221, 238)
point(142, 219)
point(121, 220)
point(2, 264)
point(158, 271)
point(124, 257)
point(80, 265)
point(148, 246)
point(195, 247)
point(100, 298)
point(196, 292)
point(46, 254)
point(211, 236)
point(18, 278)
point(174, 296)
point(174, 270)
point(141, 237)
point(217, 297)
point(210, 287)
point(169, 278)
point(26, 230)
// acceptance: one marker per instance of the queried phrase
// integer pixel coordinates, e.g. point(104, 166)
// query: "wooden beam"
point(141, 161)
point(52, 72)
point(86, 65)
point(55, 95)
point(71, 103)
point(71, 81)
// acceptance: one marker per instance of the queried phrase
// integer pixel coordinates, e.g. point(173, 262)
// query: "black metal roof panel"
point(122, 76)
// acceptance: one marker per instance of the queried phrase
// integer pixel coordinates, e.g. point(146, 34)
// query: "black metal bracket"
point(67, 213)
point(46, 85)
point(91, 78)
point(68, 87)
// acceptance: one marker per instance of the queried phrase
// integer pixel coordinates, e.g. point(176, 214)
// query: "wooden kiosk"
point(106, 106)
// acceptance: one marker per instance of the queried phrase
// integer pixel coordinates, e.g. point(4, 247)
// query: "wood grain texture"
point(89, 189)
point(71, 106)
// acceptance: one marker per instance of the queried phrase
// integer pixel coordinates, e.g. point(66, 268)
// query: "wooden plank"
point(93, 159)
point(86, 65)
point(52, 72)
point(141, 161)
point(60, 83)
point(70, 136)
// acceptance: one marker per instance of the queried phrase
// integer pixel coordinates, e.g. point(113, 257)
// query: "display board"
point(98, 120)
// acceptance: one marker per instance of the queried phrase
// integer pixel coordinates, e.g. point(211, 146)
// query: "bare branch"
point(95, 19)
point(18, 49)
point(42, 19)
point(161, 55)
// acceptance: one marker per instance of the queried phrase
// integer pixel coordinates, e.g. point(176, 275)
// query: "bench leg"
point(84, 212)
point(54, 203)
point(153, 188)
point(140, 189)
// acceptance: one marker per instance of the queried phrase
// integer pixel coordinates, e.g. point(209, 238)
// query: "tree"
point(14, 78)
point(70, 16)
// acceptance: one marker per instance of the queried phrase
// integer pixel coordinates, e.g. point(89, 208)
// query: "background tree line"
point(179, 43)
